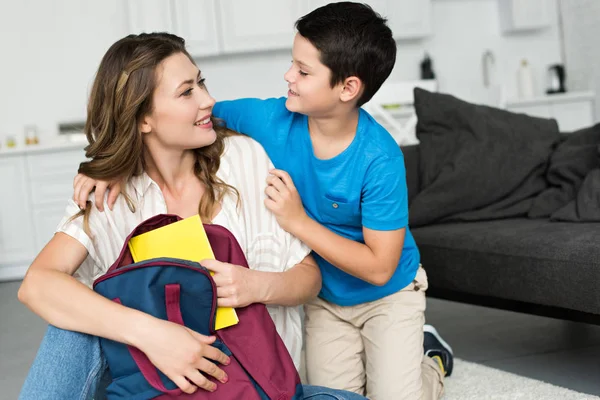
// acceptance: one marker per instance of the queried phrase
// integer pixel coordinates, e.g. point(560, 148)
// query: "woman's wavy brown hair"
point(121, 96)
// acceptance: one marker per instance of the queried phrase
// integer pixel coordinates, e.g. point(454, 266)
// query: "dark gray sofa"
point(505, 209)
point(529, 265)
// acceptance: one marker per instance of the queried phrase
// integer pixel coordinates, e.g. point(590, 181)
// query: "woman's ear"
point(144, 125)
point(353, 88)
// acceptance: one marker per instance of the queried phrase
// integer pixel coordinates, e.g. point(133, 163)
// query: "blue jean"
point(69, 365)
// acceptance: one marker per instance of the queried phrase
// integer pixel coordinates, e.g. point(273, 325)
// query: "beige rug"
point(472, 381)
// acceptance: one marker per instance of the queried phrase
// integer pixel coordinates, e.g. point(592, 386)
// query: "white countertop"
point(49, 146)
point(551, 98)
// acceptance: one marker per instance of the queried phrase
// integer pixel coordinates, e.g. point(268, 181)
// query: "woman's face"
point(180, 118)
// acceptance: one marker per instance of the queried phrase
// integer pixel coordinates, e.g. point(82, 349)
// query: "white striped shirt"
point(245, 166)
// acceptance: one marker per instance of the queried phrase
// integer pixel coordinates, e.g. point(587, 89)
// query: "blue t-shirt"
point(365, 185)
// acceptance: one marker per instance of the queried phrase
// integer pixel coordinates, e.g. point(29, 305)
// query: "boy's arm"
point(384, 217)
point(249, 116)
point(84, 185)
point(375, 261)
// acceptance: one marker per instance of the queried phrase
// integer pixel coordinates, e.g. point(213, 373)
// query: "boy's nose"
point(288, 76)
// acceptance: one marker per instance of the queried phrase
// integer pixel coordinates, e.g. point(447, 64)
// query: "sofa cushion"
point(585, 207)
point(530, 260)
point(570, 163)
point(477, 162)
point(411, 164)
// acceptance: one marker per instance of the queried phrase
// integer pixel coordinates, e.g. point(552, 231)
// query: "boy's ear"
point(352, 89)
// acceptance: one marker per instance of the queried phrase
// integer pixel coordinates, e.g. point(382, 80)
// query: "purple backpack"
point(183, 292)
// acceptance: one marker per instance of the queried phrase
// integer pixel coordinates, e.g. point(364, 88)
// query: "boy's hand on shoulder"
point(84, 185)
point(284, 201)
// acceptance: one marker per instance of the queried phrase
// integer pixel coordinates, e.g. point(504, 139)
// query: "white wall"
point(581, 29)
point(51, 49)
point(49, 53)
point(463, 30)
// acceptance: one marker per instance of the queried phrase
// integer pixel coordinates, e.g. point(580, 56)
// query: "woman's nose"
point(206, 101)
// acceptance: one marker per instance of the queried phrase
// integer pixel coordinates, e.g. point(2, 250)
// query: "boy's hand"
point(284, 201)
point(236, 286)
point(84, 185)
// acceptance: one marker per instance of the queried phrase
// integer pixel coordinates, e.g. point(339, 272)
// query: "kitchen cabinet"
point(50, 179)
point(572, 110)
point(16, 229)
point(212, 27)
point(38, 182)
point(149, 16)
point(194, 20)
point(258, 25)
point(524, 15)
point(408, 19)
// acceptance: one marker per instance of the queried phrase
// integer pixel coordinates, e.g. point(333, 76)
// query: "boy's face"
point(309, 91)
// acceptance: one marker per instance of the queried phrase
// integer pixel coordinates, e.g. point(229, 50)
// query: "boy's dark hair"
point(353, 41)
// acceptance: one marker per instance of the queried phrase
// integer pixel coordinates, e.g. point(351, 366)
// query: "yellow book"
point(187, 240)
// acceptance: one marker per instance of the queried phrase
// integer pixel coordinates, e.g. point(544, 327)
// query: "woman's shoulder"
point(245, 166)
point(103, 222)
point(241, 150)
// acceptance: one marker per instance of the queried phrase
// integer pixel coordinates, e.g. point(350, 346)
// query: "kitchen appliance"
point(556, 79)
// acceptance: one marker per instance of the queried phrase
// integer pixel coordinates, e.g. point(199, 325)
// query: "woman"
point(149, 123)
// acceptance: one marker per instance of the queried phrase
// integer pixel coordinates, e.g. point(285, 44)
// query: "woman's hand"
point(84, 185)
point(182, 354)
point(236, 286)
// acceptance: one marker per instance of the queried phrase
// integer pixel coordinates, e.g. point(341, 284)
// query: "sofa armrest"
point(411, 163)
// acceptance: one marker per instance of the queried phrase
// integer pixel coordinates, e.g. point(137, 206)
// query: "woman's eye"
point(201, 82)
point(187, 92)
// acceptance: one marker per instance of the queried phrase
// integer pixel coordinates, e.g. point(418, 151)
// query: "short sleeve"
point(276, 250)
point(296, 250)
point(385, 196)
point(73, 226)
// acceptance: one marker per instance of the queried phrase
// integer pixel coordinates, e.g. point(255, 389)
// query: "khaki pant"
point(374, 348)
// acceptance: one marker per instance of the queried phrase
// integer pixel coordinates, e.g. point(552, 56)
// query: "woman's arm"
point(50, 290)
point(238, 286)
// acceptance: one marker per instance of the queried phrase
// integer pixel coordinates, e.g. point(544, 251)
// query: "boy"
point(344, 195)
point(365, 329)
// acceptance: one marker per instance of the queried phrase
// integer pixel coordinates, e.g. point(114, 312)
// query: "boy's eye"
point(300, 71)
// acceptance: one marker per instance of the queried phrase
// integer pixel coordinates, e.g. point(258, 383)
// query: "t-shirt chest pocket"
point(338, 211)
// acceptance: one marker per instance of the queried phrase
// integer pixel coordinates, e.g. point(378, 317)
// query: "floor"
point(559, 352)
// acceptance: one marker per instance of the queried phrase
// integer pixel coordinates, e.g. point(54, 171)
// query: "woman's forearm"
point(292, 287)
point(66, 303)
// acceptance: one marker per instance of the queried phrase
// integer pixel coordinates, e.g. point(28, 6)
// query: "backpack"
point(184, 292)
